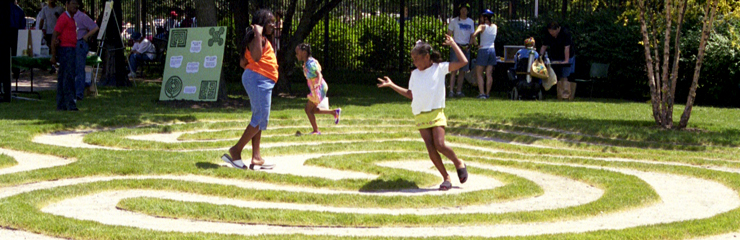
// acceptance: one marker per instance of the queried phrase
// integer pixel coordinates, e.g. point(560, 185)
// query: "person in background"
point(278, 28)
point(143, 50)
point(63, 45)
point(49, 15)
point(461, 28)
point(561, 51)
point(172, 21)
point(17, 22)
point(486, 53)
point(188, 19)
point(86, 29)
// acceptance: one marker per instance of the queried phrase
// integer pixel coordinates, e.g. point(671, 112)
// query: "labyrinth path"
point(368, 178)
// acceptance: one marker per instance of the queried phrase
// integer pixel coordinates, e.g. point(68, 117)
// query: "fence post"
point(402, 21)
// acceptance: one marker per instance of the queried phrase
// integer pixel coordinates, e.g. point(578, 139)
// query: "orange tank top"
point(267, 66)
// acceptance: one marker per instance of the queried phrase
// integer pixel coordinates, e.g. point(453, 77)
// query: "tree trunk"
point(313, 12)
point(206, 13)
point(706, 29)
point(654, 95)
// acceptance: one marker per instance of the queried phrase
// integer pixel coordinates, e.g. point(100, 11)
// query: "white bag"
point(324, 104)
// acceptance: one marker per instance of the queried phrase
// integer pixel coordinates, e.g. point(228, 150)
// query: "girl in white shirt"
point(427, 93)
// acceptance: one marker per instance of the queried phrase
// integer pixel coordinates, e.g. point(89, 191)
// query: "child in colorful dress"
point(427, 93)
point(317, 103)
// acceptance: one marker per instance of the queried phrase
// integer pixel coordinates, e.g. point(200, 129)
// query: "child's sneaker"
point(459, 94)
point(482, 96)
point(450, 94)
point(316, 133)
point(338, 111)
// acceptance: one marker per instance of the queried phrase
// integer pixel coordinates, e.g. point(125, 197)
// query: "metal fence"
point(370, 35)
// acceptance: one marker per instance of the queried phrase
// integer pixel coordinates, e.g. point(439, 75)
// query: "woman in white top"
point(427, 93)
point(486, 53)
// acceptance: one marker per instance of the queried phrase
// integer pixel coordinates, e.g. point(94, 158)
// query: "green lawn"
point(565, 139)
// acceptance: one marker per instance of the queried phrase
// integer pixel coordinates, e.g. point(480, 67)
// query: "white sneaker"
point(132, 75)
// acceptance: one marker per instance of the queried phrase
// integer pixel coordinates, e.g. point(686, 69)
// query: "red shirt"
point(68, 29)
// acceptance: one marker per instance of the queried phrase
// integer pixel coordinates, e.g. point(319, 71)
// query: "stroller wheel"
point(514, 94)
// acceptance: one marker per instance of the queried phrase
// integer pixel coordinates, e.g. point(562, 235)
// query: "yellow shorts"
point(431, 119)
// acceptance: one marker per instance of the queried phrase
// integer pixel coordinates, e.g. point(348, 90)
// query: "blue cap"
point(488, 12)
point(136, 36)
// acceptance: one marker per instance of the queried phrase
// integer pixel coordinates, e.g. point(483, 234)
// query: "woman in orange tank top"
point(259, 78)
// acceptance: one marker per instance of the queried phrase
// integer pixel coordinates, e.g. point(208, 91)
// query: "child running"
point(317, 103)
point(427, 93)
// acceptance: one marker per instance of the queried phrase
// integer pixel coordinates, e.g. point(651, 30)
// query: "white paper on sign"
point(195, 46)
point(176, 61)
point(210, 62)
point(189, 90)
point(193, 67)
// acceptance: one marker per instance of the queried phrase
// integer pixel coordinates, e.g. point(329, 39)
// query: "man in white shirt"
point(48, 20)
point(461, 29)
point(143, 50)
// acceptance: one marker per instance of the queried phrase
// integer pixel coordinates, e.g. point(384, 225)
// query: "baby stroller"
point(524, 86)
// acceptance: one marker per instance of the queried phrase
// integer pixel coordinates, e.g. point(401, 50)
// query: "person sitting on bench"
point(143, 50)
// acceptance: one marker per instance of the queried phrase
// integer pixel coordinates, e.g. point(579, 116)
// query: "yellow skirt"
point(431, 119)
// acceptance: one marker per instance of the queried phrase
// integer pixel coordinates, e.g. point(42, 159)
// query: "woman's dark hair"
point(487, 17)
point(423, 48)
point(262, 18)
point(305, 47)
point(553, 25)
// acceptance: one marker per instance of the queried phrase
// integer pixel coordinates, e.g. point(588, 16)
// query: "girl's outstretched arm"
point(386, 82)
point(454, 66)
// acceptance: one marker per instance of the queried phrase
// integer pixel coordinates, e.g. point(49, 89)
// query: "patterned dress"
point(317, 85)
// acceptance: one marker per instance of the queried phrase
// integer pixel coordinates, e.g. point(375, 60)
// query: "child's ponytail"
point(423, 48)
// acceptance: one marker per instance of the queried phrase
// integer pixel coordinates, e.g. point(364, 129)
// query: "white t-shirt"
point(428, 88)
point(145, 46)
point(461, 29)
point(50, 16)
point(488, 37)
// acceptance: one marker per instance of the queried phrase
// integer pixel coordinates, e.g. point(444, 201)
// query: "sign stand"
point(101, 36)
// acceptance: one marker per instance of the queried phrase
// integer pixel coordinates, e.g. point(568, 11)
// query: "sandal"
point(462, 174)
point(338, 111)
point(446, 185)
point(234, 163)
point(265, 166)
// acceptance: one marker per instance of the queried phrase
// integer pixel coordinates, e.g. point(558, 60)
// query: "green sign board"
point(194, 60)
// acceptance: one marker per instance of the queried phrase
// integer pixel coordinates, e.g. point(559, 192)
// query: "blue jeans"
point(136, 59)
point(81, 58)
point(259, 89)
point(466, 52)
point(66, 81)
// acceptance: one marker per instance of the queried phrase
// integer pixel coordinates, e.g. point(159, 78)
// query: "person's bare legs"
point(249, 133)
point(427, 135)
point(256, 158)
point(453, 76)
point(479, 77)
point(311, 111)
point(489, 79)
point(460, 80)
point(438, 134)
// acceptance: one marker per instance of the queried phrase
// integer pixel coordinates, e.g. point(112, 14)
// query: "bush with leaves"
point(719, 83)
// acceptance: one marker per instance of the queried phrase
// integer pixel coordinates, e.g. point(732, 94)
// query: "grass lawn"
point(583, 141)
